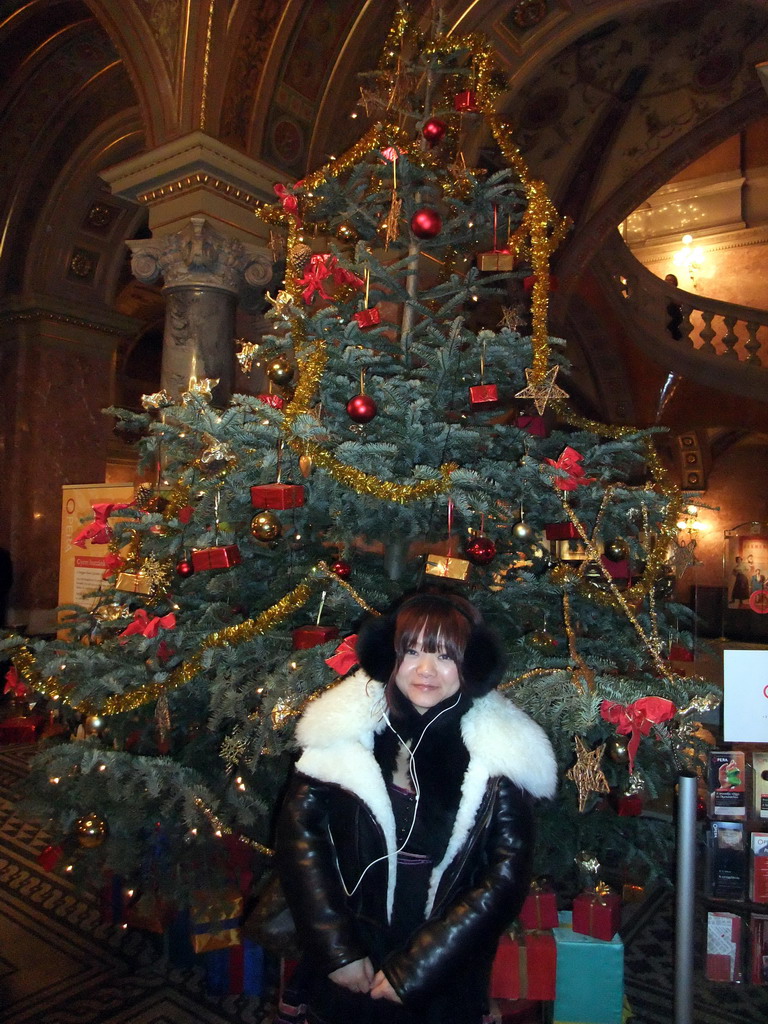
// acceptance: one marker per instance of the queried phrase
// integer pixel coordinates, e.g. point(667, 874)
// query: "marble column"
point(203, 271)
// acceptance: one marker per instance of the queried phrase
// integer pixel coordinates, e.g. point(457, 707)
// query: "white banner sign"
point(745, 702)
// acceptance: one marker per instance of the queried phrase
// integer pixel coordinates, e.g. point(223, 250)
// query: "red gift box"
point(276, 401)
point(679, 653)
point(539, 910)
point(465, 101)
point(621, 570)
point(597, 914)
point(524, 968)
point(277, 496)
point(534, 425)
point(482, 394)
point(561, 531)
point(216, 558)
point(310, 636)
point(368, 317)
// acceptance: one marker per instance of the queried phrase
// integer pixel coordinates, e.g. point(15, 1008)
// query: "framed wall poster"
point(81, 570)
point(745, 582)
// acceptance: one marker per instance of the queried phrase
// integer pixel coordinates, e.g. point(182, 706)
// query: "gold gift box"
point(447, 566)
point(133, 582)
point(215, 920)
point(497, 259)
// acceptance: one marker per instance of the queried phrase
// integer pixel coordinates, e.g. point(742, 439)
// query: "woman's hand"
point(383, 990)
point(357, 976)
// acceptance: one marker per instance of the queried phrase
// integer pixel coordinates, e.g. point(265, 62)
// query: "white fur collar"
point(337, 730)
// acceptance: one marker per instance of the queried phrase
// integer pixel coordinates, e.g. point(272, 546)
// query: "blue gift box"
point(590, 977)
point(238, 970)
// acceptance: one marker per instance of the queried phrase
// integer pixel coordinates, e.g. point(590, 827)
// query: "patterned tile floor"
point(60, 964)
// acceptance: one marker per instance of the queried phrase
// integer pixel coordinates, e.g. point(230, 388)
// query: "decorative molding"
point(193, 181)
point(199, 256)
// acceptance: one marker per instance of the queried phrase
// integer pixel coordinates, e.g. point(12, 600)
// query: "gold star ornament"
point(542, 389)
point(511, 317)
point(586, 774)
point(199, 388)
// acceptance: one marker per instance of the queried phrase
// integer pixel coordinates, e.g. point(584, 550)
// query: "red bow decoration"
point(288, 201)
point(147, 626)
point(113, 564)
point(570, 463)
point(14, 683)
point(321, 267)
point(345, 655)
point(637, 719)
point(99, 531)
point(314, 277)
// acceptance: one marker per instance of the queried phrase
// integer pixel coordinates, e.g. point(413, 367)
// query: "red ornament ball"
point(342, 569)
point(426, 223)
point(361, 408)
point(480, 550)
point(184, 568)
point(434, 130)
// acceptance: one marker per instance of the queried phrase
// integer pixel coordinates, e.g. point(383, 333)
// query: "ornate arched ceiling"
point(611, 98)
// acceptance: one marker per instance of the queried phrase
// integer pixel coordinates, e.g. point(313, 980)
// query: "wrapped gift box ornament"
point(524, 967)
point(496, 259)
point(597, 913)
point(133, 583)
point(280, 496)
point(367, 317)
point(465, 101)
point(216, 558)
point(306, 637)
point(590, 977)
point(534, 425)
point(447, 566)
point(483, 394)
point(561, 531)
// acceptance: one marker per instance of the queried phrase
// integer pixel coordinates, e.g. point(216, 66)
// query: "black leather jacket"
point(334, 825)
point(326, 834)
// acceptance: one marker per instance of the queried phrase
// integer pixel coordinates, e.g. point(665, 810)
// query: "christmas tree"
point(415, 433)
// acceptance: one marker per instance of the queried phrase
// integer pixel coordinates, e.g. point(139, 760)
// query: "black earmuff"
point(483, 658)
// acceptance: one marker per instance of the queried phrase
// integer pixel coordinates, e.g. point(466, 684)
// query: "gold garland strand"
point(230, 636)
point(218, 826)
point(618, 597)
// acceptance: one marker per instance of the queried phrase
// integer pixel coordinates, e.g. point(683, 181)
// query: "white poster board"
point(745, 700)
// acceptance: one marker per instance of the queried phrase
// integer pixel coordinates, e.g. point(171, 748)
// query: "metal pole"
point(686, 880)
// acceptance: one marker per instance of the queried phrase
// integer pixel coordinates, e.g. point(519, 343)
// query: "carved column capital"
point(199, 256)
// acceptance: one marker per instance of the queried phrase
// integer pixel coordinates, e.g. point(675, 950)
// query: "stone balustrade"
point(717, 344)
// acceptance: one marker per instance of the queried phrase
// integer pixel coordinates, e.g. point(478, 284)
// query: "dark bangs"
point(444, 624)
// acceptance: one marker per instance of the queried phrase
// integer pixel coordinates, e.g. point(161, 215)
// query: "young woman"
point(404, 845)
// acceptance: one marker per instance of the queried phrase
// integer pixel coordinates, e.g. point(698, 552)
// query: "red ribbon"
point(99, 531)
point(14, 683)
point(321, 267)
point(636, 719)
point(345, 655)
point(147, 626)
point(570, 463)
point(288, 201)
point(112, 566)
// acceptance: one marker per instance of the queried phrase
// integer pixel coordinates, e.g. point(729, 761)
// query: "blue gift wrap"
point(590, 977)
point(238, 970)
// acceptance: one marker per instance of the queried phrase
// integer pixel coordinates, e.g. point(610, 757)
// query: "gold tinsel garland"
point(218, 825)
point(230, 636)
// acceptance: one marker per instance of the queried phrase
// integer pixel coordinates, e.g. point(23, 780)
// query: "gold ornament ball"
point(266, 526)
point(91, 831)
point(280, 371)
point(616, 748)
point(346, 232)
